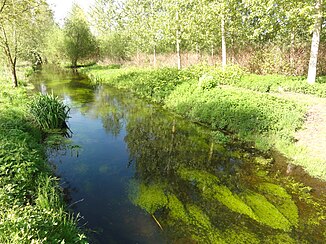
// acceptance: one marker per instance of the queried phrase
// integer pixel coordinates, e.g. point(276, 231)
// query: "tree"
point(315, 42)
point(21, 25)
point(79, 42)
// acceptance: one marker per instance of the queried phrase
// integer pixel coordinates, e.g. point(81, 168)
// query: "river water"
point(139, 174)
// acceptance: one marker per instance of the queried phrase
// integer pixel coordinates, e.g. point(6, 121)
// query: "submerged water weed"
point(281, 200)
point(249, 203)
point(150, 198)
point(49, 113)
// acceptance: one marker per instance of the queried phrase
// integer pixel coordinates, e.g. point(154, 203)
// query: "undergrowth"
point(31, 205)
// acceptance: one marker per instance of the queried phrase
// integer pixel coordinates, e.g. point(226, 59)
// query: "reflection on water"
point(147, 176)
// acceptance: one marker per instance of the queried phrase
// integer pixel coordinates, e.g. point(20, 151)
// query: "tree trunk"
point(74, 63)
point(223, 41)
point(178, 41)
point(292, 50)
point(212, 54)
point(197, 52)
point(14, 73)
point(211, 151)
point(315, 42)
point(154, 55)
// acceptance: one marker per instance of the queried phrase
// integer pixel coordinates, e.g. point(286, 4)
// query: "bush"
point(209, 77)
point(49, 113)
point(146, 83)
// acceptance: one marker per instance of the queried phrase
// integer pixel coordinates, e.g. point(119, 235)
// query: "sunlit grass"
point(31, 203)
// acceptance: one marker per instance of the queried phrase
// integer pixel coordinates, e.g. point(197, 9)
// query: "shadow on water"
point(147, 176)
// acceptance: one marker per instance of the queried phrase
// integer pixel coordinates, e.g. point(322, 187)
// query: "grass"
point(228, 99)
point(31, 204)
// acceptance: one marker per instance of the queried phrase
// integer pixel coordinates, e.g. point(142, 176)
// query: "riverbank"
point(256, 109)
point(32, 209)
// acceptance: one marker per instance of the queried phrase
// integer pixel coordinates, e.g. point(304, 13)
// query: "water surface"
point(143, 175)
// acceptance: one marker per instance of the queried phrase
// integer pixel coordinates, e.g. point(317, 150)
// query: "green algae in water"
point(198, 218)
point(266, 212)
point(280, 239)
point(240, 235)
point(281, 200)
point(252, 204)
point(150, 198)
point(208, 184)
point(177, 210)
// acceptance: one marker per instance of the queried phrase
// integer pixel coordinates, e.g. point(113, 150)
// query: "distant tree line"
point(265, 36)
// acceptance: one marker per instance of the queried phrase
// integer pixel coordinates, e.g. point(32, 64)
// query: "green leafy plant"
point(49, 113)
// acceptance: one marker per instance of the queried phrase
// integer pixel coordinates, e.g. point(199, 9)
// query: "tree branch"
point(3, 6)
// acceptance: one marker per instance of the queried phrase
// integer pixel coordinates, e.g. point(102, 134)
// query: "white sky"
point(62, 7)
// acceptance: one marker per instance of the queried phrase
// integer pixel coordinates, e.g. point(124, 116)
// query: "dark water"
point(143, 175)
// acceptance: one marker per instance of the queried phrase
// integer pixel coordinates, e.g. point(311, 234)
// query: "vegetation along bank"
point(31, 204)
point(262, 110)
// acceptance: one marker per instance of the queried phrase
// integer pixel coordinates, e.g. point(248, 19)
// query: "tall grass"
point(49, 113)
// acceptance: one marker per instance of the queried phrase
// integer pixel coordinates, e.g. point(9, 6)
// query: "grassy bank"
point(31, 204)
point(230, 100)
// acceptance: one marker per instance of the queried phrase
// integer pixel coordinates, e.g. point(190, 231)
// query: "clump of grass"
point(49, 113)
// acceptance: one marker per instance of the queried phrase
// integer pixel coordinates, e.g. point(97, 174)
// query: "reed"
point(49, 112)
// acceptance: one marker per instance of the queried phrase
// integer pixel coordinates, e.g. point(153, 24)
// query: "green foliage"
point(238, 111)
point(31, 205)
point(79, 42)
point(155, 85)
point(279, 83)
point(49, 113)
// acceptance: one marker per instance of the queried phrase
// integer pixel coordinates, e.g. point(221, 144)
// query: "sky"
point(61, 8)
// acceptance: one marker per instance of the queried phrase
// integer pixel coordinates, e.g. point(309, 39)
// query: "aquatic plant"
point(265, 211)
point(210, 188)
point(281, 200)
point(48, 112)
point(249, 203)
point(150, 198)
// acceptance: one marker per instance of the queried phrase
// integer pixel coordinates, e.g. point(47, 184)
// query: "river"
point(139, 174)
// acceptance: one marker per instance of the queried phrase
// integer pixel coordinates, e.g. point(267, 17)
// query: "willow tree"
point(21, 25)
point(79, 42)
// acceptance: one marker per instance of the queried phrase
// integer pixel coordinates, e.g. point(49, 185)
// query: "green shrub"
point(146, 83)
point(49, 113)
point(209, 77)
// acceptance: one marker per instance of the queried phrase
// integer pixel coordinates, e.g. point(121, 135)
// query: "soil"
point(313, 134)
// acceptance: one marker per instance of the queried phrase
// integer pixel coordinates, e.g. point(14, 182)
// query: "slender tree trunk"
point(197, 52)
point(212, 54)
point(137, 55)
point(154, 55)
point(292, 49)
point(14, 74)
point(315, 42)
point(178, 41)
point(223, 41)
point(74, 63)
point(211, 151)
